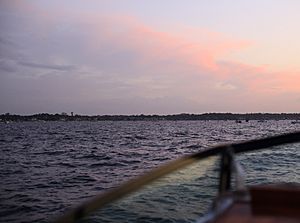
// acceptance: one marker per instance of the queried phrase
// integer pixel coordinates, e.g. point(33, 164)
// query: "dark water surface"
point(47, 167)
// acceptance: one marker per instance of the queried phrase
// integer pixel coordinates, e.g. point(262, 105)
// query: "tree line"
point(141, 117)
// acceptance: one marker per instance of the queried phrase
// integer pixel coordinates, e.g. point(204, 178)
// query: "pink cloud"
point(277, 83)
point(129, 56)
point(197, 49)
point(128, 33)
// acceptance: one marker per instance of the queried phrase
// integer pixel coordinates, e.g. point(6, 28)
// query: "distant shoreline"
point(175, 117)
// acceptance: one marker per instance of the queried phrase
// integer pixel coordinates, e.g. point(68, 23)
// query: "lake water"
point(48, 167)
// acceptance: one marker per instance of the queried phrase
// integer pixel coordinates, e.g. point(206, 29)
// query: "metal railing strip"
point(115, 194)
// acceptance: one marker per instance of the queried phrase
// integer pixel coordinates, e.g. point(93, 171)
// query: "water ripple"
point(48, 167)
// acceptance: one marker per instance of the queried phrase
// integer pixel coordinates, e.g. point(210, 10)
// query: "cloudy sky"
point(150, 57)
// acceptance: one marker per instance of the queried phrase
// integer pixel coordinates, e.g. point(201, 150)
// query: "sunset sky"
point(150, 57)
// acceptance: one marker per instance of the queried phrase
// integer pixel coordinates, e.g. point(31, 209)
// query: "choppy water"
point(47, 167)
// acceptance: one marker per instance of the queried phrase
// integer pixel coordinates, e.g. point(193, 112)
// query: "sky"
point(149, 57)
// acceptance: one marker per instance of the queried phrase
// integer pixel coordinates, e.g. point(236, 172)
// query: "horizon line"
point(142, 114)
